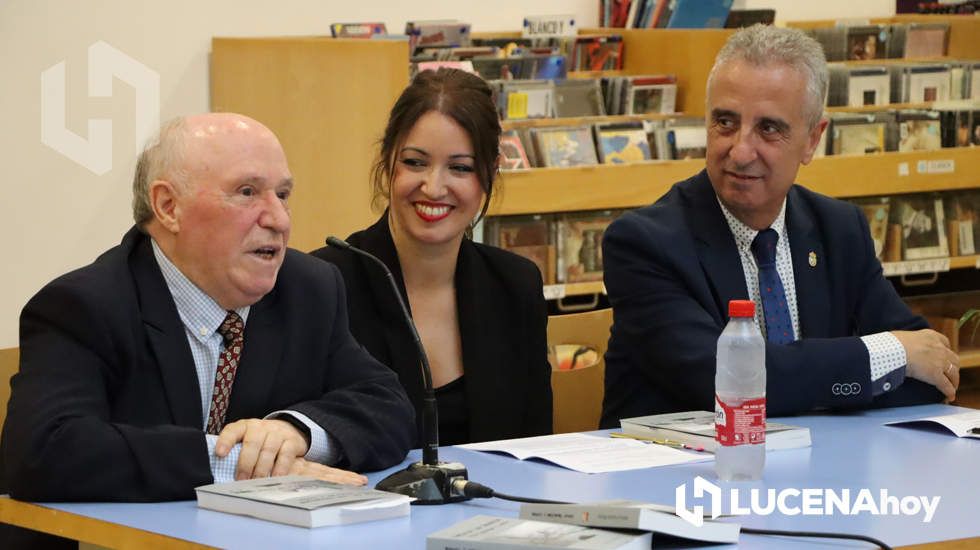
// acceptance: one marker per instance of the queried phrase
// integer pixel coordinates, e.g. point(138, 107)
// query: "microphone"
point(428, 481)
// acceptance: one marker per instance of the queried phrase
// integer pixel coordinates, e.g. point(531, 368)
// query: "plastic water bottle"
point(740, 396)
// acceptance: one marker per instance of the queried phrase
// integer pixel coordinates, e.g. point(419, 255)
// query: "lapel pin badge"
point(813, 259)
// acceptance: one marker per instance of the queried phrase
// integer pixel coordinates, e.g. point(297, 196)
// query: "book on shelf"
point(622, 143)
point(443, 32)
point(963, 213)
point(919, 130)
point(578, 98)
point(925, 40)
point(631, 514)
point(529, 236)
point(923, 226)
point(598, 53)
point(484, 532)
point(520, 99)
point(697, 428)
point(876, 212)
point(357, 30)
point(858, 133)
point(302, 501)
point(512, 153)
point(698, 14)
point(866, 42)
point(565, 146)
point(580, 245)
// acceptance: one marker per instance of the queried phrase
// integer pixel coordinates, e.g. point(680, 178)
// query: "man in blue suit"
point(838, 335)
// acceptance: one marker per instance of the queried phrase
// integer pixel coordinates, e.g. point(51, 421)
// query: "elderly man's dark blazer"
point(503, 323)
point(671, 269)
point(106, 405)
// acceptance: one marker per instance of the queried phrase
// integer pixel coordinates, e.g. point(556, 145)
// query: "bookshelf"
point(327, 99)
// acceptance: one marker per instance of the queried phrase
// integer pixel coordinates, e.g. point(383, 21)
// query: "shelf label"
point(903, 169)
point(912, 267)
point(936, 166)
point(548, 26)
point(554, 292)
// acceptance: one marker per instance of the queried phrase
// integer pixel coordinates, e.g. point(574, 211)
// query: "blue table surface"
point(851, 450)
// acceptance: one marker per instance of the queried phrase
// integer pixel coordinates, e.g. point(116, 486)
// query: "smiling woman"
point(479, 310)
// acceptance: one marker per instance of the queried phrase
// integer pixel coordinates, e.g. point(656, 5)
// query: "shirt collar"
point(744, 235)
point(199, 312)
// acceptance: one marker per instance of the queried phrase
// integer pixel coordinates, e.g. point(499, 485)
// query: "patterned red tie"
point(231, 330)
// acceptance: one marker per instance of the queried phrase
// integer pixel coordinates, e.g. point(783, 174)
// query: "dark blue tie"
point(779, 325)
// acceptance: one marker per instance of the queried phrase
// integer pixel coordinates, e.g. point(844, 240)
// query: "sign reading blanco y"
point(548, 26)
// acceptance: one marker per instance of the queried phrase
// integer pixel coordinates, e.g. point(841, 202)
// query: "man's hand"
point(269, 447)
point(931, 360)
point(303, 467)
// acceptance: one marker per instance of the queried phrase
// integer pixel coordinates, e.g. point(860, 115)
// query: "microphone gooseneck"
point(429, 481)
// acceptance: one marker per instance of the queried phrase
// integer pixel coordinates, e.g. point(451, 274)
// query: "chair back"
point(577, 393)
point(9, 364)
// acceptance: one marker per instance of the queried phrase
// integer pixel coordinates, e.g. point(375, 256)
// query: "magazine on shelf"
point(565, 146)
point(697, 428)
point(302, 501)
point(580, 245)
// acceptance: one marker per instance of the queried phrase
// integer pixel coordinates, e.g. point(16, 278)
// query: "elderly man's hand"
point(303, 467)
point(931, 360)
point(269, 447)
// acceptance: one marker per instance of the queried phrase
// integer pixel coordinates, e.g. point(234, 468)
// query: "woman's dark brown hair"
point(463, 97)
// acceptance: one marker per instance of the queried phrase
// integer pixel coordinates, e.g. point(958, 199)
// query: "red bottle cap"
point(741, 308)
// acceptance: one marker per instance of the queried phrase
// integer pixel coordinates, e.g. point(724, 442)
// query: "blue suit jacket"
point(672, 267)
point(106, 404)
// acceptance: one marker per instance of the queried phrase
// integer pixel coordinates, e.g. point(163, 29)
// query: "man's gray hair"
point(161, 159)
point(762, 45)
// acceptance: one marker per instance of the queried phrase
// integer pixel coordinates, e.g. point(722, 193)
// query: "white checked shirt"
point(886, 353)
point(201, 317)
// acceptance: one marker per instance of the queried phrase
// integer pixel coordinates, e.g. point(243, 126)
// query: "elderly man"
point(200, 349)
point(837, 333)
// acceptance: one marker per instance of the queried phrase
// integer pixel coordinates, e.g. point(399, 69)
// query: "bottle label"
point(743, 424)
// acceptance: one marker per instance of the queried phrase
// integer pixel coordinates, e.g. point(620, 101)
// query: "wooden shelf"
point(969, 358)
point(608, 186)
point(599, 187)
point(882, 173)
point(576, 121)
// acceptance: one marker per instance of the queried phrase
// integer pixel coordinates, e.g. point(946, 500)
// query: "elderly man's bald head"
point(178, 150)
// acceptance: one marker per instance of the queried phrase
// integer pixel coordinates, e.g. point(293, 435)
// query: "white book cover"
point(496, 533)
point(302, 501)
point(631, 514)
point(965, 424)
point(698, 428)
point(868, 90)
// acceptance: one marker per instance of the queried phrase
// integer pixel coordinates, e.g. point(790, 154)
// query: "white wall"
point(56, 215)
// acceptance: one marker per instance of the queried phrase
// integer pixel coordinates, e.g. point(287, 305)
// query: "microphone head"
point(339, 243)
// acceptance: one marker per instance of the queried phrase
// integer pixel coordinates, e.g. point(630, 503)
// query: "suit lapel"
point(166, 335)
point(717, 250)
point(809, 268)
point(260, 359)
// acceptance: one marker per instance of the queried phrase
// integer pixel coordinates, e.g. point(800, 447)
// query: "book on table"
point(497, 533)
point(631, 514)
point(302, 501)
point(697, 428)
